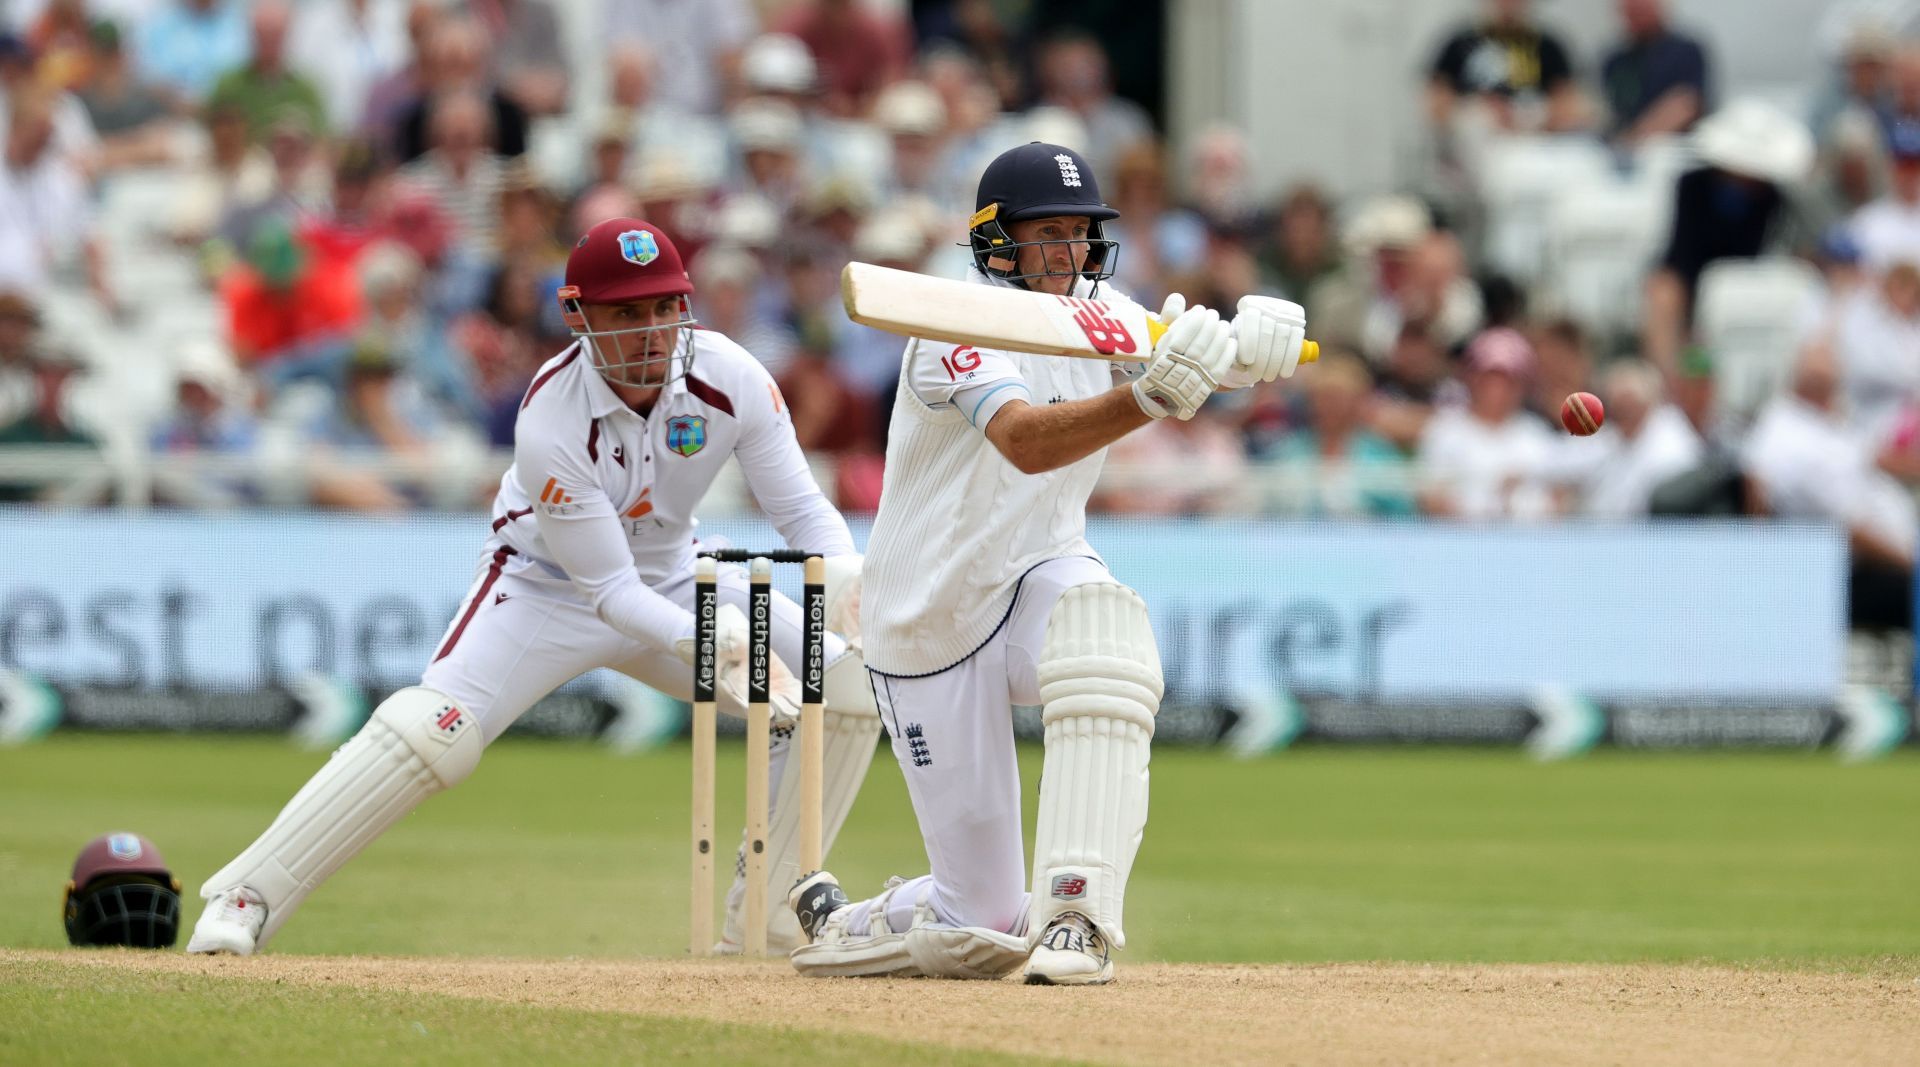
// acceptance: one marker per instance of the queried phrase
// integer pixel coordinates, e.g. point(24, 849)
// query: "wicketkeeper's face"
point(1052, 251)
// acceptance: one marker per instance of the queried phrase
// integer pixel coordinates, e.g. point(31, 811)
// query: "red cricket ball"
point(1582, 414)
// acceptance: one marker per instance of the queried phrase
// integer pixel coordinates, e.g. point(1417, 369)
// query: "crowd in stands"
point(370, 201)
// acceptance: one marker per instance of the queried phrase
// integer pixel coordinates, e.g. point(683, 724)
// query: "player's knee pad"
point(416, 743)
point(1099, 659)
point(1099, 675)
point(852, 722)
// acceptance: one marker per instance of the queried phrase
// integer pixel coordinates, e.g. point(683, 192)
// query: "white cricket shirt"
point(601, 499)
point(958, 523)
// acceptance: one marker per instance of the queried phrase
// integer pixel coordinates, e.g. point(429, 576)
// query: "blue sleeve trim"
point(1022, 386)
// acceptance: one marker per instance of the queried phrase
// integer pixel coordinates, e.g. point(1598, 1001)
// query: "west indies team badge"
point(687, 434)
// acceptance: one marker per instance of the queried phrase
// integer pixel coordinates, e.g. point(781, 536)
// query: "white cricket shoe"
point(231, 923)
point(1071, 952)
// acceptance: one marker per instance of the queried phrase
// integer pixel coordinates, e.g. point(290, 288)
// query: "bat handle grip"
point(1309, 352)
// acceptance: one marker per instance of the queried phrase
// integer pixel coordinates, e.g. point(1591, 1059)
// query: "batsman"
point(590, 563)
point(980, 592)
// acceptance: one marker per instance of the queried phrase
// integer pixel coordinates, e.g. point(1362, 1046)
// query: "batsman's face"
point(1059, 251)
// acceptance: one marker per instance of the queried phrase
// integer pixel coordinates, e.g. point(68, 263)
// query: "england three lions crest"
point(686, 434)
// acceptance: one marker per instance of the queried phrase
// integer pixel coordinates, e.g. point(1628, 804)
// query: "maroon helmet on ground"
point(622, 261)
point(122, 893)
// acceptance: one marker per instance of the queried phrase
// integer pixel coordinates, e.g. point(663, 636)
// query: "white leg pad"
point(416, 743)
point(853, 733)
point(1100, 688)
point(966, 952)
point(928, 949)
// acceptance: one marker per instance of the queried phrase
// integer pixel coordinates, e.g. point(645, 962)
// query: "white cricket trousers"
point(514, 640)
point(953, 735)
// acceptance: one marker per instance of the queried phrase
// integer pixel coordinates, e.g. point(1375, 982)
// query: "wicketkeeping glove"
point(730, 647)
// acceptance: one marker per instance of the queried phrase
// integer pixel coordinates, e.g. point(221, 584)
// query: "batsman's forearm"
point(1038, 439)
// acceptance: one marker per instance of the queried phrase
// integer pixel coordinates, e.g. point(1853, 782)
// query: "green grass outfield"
point(1320, 854)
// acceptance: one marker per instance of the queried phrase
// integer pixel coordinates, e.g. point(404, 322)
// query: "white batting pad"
point(853, 733)
point(416, 743)
point(1100, 686)
point(967, 952)
point(927, 949)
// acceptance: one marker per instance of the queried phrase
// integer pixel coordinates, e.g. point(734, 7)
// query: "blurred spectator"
point(698, 40)
point(605, 194)
point(502, 344)
point(1227, 271)
point(1219, 178)
point(391, 97)
point(1158, 242)
point(1656, 81)
point(286, 306)
point(456, 66)
point(657, 128)
point(1863, 83)
point(867, 358)
point(727, 280)
point(46, 213)
point(360, 189)
point(1510, 71)
point(1300, 249)
point(529, 64)
point(46, 420)
point(1905, 103)
point(301, 180)
point(1070, 72)
point(1736, 206)
point(860, 47)
point(19, 332)
point(234, 171)
point(345, 48)
point(975, 31)
point(1565, 365)
point(1484, 460)
point(912, 116)
point(264, 89)
point(400, 319)
point(529, 223)
point(1645, 442)
point(1693, 394)
point(210, 416)
point(1174, 467)
point(459, 171)
point(1852, 171)
point(62, 36)
point(1348, 470)
point(1888, 230)
point(830, 414)
point(1806, 465)
point(132, 121)
point(379, 408)
point(768, 135)
point(73, 133)
point(187, 46)
point(973, 114)
point(1416, 380)
point(779, 66)
point(1399, 271)
point(1876, 342)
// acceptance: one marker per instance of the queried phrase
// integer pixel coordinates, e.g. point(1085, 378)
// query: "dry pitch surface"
point(1197, 1014)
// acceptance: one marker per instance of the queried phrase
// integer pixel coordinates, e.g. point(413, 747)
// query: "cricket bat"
point(916, 305)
